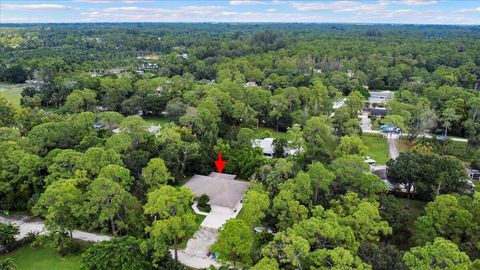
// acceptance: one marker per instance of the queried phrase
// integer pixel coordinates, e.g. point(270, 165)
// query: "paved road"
point(366, 123)
point(392, 140)
point(456, 139)
point(27, 226)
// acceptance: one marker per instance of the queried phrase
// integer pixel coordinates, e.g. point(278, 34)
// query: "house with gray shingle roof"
point(222, 189)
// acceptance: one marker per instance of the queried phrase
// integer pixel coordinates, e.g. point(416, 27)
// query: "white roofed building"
point(379, 97)
point(269, 149)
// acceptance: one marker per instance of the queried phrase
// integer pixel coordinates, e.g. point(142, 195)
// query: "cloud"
point(308, 11)
point(419, 2)
point(183, 10)
point(468, 10)
point(34, 7)
point(338, 6)
point(130, 9)
point(246, 2)
point(112, 1)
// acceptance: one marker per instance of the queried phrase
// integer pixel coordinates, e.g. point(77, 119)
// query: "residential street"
point(38, 226)
point(392, 139)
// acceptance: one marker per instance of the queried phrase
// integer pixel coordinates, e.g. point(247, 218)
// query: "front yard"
point(377, 147)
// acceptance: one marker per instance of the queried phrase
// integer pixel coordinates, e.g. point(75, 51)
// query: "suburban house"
point(474, 174)
point(268, 147)
point(226, 197)
point(339, 104)
point(379, 98)
point(153, 129)
point(225, 193)
point(381, 171)
point(377, 112)
point(250, 84)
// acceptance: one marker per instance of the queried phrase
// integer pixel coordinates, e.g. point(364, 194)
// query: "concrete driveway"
point(195, 254)
point(392, 145)
point(366, 124)
point(218, 216)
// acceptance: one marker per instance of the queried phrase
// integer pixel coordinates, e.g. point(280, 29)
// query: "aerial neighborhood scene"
point(239, 134)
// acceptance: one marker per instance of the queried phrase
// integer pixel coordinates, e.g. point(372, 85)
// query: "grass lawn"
point(453, 148)
point(11, 92)
point(264, 132)
point(377, 148)
point(155, 120)
point(43, 258)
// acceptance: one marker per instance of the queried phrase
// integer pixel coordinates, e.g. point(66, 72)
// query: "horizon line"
point(226, 22)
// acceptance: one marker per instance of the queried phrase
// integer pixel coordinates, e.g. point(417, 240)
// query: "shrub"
point(7, 264)
point(7, 235)
point(203, 200)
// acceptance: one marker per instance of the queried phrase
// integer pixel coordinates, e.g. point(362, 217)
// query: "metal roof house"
point(380, 97)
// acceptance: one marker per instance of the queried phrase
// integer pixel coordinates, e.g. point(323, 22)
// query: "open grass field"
point(377, 148)
point(11, 92)
point(43, 258)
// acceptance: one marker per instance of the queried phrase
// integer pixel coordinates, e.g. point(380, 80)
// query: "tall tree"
point(173, 217)
point(454, 218)
point(441, 254)
point(109, 206)
point(59, 205)
point(7, 113)
point(351, 145)
point(255, 205)
point(318, 139)
point(235, 242)
point(156, 174)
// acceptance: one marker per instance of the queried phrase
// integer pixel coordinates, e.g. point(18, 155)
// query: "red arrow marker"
point(220, 163)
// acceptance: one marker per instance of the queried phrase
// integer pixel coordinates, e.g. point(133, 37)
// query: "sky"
point(303, 11)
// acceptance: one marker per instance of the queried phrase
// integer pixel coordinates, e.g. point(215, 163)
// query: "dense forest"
point(78, 152)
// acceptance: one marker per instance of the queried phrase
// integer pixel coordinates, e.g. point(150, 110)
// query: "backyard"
point(43, 258)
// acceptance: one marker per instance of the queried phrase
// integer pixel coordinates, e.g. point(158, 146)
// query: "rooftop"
point(268, 147)
point(222, 189)
point(380, 96)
